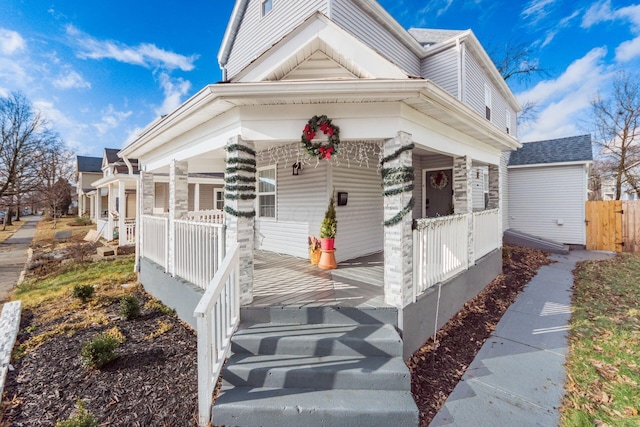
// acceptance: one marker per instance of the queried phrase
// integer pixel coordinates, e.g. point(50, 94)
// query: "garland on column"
point(232, 189)
point(401, 179)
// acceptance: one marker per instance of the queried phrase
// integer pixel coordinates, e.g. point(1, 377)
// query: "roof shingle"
point(562, 150)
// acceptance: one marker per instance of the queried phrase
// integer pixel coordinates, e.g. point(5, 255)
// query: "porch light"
point(297, 167)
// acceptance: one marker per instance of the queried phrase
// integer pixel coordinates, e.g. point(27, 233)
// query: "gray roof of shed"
point(89, 164)
point(561, 150)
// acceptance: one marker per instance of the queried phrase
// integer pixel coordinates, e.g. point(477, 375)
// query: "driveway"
point(13, 255)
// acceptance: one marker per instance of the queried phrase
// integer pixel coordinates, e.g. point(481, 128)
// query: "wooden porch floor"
point(283, 280)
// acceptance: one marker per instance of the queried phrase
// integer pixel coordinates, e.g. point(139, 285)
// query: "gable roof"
point(561, 150)
point(428, 36)
point(88, 164)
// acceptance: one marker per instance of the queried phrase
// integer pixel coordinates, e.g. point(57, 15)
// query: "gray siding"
point(442, 69)
point(353, 19)
point(257, 33)
point(504, 189)
point(360, 230)
point(540, 196)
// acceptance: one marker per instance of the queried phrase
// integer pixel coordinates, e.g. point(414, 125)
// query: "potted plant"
point(314, 249)
point(329, 227)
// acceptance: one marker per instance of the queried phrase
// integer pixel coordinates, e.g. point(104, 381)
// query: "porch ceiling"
point(422, 95)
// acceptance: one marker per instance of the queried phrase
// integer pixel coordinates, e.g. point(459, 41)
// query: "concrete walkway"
point(518, 376)
point(13, 255)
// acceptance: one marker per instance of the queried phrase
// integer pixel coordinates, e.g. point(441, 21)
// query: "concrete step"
point(318, 340)
point(323, 373)
point(323, 315)
point(267, 407)
point(515, 237)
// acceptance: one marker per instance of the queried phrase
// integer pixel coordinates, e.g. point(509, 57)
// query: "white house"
point(548, 184)
point(320, 99)
point(115, 198)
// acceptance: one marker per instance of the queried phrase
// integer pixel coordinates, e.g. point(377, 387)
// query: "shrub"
point(129, 307)
point(329, 225)
point(100, 350)
point(83, 220)
point(83, 292)
point(82, 418)
point(154, 304)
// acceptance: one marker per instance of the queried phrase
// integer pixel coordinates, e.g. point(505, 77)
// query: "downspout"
point(128, 163)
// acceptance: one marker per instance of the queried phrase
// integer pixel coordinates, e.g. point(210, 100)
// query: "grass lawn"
point(603, 366)
point(46, 233)
point(4, 235)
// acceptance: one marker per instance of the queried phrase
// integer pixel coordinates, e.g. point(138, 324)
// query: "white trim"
point(540, 165)
point(263, 12)
point(216, 190)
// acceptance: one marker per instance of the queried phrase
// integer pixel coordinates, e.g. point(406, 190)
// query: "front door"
point(438, 199)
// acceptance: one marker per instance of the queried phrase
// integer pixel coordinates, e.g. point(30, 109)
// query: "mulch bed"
point(152, 382)
point(438, 366)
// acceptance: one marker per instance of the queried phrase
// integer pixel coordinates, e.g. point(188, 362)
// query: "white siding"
point(257, 34)
point(540, 196)
point(162, 196)
point(350, 17)
point(206, 197)
point(360, 230)
point(442, 69)
point(477, 187)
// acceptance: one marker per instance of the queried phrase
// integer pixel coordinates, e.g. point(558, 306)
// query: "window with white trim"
point(487, 101)
point(219, 198)
point(507, 119)
point(267, 192)
point(266, 7)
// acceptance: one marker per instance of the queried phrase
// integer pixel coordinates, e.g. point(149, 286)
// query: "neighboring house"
point(88, 169)
point(422, 116)
point(608, 190)
point(548, 182)
point(115, 198)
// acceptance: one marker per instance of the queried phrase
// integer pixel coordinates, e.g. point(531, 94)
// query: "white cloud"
point(71, 80)
point(10, 42)
point(565, 100)
point(598, 12)
point(628, 50)
point(132, 135)
point(439, 6)
point(3, 92)
point(111, 119)
point(536, 10)
point(564, 23)
point(55, 116)
point(145, 54)
point(174, 90)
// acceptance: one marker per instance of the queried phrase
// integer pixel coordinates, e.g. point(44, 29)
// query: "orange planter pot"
point(327, 260)
point(314, 256)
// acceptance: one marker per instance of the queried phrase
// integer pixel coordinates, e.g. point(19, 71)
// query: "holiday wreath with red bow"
point(323, 150)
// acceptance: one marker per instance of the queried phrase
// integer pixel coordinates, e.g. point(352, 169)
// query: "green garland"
point(395, 177)
point(396, 219)
point(240, 160)
point(233, 187)
point(231, 211)
point(234, 169)
point(322, 151)
point(397, 153)
point(239, 178)
point(240, 196)
point(239, 147)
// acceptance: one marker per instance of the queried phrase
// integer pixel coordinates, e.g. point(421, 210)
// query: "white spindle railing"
point(486, 232)
point(155, 236)
point(213, 216)
point(440, 250)
point(130, 232)
point(199, 250)
point(217, 315)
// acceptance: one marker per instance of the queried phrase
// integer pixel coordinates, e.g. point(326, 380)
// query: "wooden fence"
point(613, 225)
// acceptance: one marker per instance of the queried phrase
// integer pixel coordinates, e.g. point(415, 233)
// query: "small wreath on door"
point(439, 180)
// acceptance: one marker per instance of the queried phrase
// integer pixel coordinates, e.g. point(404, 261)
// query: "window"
point(219, 197)
point(507, 119)
point(267, 192)
point(487, 101)
point(267, 5)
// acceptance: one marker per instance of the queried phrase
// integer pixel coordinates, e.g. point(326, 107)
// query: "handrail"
point(217, 315)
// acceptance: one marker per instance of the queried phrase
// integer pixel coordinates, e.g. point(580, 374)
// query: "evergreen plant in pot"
point(329, 227)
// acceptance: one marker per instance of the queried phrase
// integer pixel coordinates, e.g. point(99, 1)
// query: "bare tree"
point(615, 120)
point(56, 171)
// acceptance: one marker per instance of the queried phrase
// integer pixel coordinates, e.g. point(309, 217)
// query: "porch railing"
point(129, 231)
point(199, 250)
point(486, 232)
point(217, 315)
point(155, 236)
point(440, 250)
point(212, 216)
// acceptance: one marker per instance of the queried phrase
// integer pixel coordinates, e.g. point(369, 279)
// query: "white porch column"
point(398, 239)
point(178, 202)
point(196, 197)
point(92, 208)
point(122, 213)
point(462, 195)
point(239, 212)
point(111, 203)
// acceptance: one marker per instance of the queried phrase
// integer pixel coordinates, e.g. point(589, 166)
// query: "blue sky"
point(101, 71)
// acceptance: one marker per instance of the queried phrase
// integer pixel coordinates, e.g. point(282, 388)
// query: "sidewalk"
point(13, 255)
point(517, 378)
